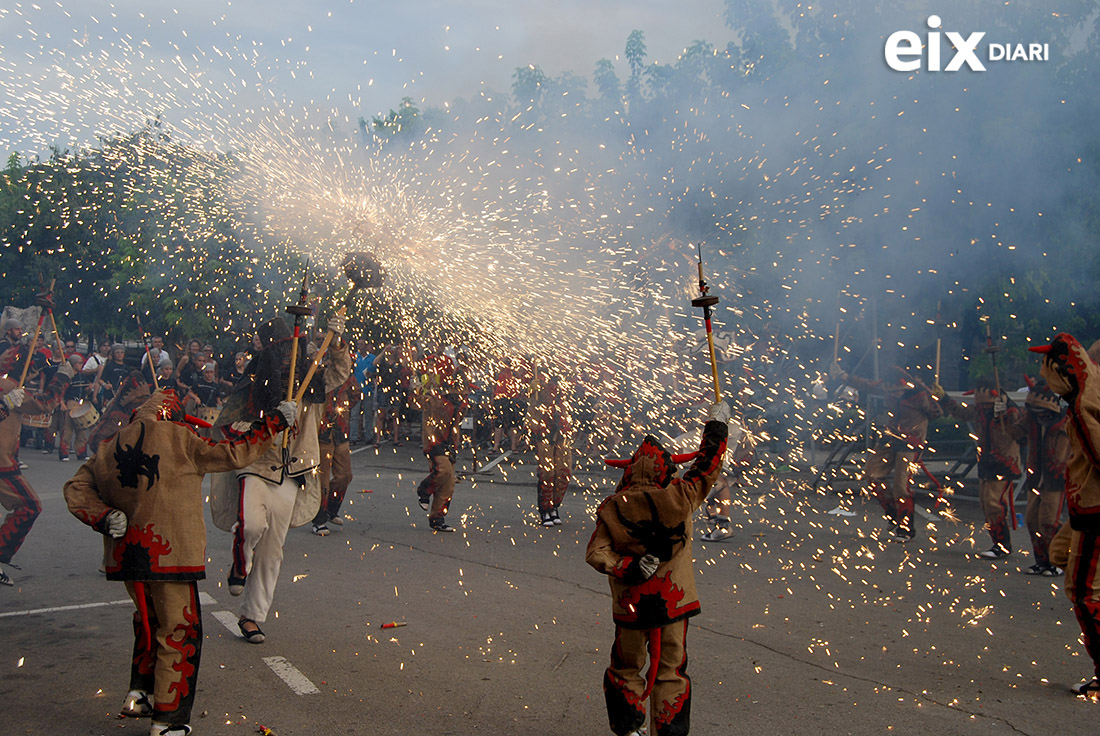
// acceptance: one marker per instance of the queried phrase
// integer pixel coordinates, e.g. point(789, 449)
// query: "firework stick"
point(937, 379)
point(989, 348)
point(300, 311)
point(836, 342)
point(57, 336)
point(706, 301)
point(148, 355)
point(939, 342)
point(317, 358)
point(30, 349)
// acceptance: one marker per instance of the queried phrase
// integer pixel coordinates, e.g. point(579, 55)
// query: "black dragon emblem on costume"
point(133, 462)
point(657, 539)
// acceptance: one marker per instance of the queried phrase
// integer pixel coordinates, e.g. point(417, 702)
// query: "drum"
point(84, 415)
point(36, 420)
point(207, 413)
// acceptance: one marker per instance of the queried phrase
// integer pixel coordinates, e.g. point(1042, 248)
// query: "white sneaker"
point(337, 520)
point(321, 530)
point(841, 511)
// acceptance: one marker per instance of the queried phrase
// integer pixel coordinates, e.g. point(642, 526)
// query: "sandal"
point(251, 635)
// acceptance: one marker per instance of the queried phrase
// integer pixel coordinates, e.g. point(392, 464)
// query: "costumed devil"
point(1047, 453)
point(1071, 374)
point(642, 542)
point(16, 494)
point(999, 427)
point(910, 406)
point(260, 503)
point(142, 489)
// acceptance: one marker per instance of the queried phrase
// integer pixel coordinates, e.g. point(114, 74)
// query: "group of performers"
point(279, 458)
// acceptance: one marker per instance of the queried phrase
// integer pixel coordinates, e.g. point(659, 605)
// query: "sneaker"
point(841, 511)
point(137, 705)
point(5, 579)
point(1035, 570)
point(547, 519)
point(337, 520)
point(1091, 688)
point(1052, 571)
point(23, 465)
point(554, 517)
point(440, 526)
point(81, 458)
point(321, 530)
point(718, 534)
point(425, 502)
point(46, 451)
point(996, 553)
point(164, 729)
point(64, 458)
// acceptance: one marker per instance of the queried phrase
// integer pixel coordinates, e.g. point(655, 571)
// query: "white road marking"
point(228, 620)
point(56, 609)
point(204, 599)
point(290, 674)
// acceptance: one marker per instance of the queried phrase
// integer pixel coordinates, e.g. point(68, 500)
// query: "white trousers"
point(263, 520)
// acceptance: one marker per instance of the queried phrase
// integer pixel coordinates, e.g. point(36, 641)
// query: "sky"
point(360, 56)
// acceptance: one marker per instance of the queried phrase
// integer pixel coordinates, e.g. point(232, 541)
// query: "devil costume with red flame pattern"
point(152, 470)
point(650, 514)
point(1071, 374)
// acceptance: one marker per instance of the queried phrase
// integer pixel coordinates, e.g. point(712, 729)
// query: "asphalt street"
point(809, 623)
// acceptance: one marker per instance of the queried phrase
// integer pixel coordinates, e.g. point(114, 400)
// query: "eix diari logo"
point(905, 50)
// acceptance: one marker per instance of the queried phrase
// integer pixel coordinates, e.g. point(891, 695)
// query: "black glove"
point(44, 299)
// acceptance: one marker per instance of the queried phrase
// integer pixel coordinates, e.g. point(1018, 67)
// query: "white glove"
point(835, 371)
point(289, 410)
point(1000, 406)
point(14, 399)
point(66, 369)
point(719, 412)
point(116, 524)
point(648, 565)
point(336, 324)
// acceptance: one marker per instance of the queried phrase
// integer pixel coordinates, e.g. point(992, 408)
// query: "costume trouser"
point(72, 438)
point(167, 663)
point(896, 497)
point(17, 496)
point(1044, 508)
point(555, 460)
point(624, 686)
point(439, 485)
point(335, 478)
point(993, 495)
point(1083, 588)
point(263, 519)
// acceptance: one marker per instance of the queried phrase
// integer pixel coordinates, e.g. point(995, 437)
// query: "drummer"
point(78, 400)
point(206, 394)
